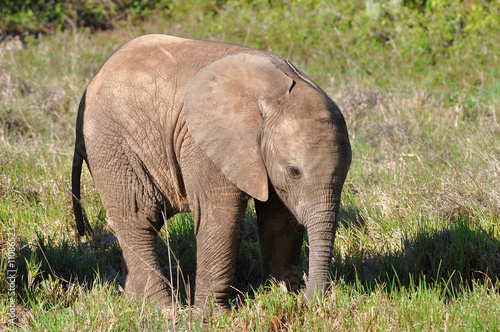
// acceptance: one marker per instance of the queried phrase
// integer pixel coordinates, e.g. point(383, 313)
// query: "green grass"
point(418, 247)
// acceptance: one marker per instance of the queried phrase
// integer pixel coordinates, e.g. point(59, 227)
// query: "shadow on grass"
point(454, 257)
point(48, 268)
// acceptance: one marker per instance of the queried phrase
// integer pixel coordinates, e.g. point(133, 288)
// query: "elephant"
point(171, 125)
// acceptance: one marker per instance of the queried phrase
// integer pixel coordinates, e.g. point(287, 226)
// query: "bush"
point(379, 40)
point(52, 15)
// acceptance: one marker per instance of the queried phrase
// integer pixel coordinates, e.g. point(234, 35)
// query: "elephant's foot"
point(289, 276)
point(212, 303)
point(154, 290)
point(208, 309)
point(209, 313)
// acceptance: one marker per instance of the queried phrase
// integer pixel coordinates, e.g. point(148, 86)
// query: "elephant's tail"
point(82, 223)
point(81, 219)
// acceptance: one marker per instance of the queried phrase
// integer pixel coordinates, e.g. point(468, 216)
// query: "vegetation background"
point(418, 81)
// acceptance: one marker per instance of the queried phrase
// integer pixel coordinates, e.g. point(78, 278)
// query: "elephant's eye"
point(294, 172)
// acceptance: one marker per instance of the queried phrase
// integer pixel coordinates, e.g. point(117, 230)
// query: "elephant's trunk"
point(321, 239)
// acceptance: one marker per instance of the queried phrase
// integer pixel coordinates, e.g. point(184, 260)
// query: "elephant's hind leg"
point(143, 277)
point(133, 209)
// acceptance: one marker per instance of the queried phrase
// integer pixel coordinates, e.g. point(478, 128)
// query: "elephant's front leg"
point(280, 239)
point(218, 236)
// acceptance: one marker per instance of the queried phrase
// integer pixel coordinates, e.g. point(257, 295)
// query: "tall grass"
point(418, 245)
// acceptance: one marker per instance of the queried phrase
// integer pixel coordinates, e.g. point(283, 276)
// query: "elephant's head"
point(264, 124)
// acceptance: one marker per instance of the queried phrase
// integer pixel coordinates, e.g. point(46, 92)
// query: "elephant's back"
point(163, 56)
point(141, 87)
point(154, 68)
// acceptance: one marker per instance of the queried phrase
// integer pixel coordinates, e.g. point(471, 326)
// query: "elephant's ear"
point(221, 108)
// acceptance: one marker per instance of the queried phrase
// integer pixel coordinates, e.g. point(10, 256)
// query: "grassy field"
point(418, 247)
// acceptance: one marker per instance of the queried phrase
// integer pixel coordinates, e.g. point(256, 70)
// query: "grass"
point(418, 247)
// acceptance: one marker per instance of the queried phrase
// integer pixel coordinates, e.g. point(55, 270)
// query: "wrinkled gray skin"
point(178, 125)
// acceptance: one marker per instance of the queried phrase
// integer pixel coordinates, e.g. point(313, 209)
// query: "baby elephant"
point(172, 125)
